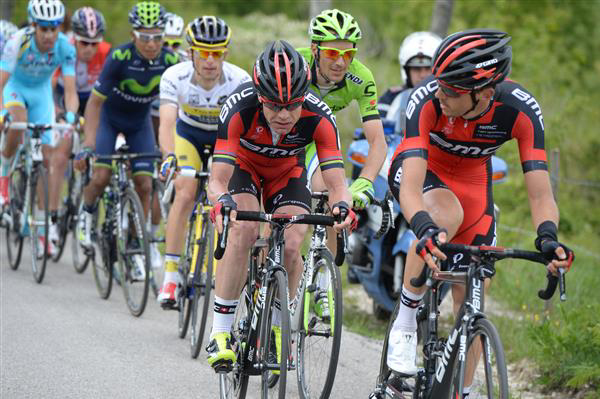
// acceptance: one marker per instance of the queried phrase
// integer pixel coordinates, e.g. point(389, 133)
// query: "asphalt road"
point(58, 339)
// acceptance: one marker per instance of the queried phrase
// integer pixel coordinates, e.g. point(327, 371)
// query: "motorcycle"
point(377, 262)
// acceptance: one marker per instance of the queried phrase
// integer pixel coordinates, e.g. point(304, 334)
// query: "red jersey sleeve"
point(327, 142)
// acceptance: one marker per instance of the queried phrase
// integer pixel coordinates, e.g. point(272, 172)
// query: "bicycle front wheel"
point(158, 239)
point(275, 362)
point(202, 284)
point(320, 330)
point(185, 296)
point(64, 213)
point(14, 234)
point(39, 222)
point(485, 368)
point(81, 258)
point(133, 252)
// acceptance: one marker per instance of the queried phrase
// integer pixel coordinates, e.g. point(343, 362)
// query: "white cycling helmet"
point(46, 12)
point(174, 26)
point(417, 50)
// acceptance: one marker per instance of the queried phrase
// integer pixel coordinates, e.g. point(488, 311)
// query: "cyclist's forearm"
point(4, 76)
point(71, 97)
point(335, 181)
point(166, 130)
point(411, 188)
point(219, 181)
point(541, 200)
point(377, 150)
point(92, 119)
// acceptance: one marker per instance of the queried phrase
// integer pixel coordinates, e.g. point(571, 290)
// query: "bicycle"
point(69, 211)
point(158, 191)
point(266, 289)
point(196, 266)
point(28, 179)
point(445, 360)
point(119, 235)
point(318, 337)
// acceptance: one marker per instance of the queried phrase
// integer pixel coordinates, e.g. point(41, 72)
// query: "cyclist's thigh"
point(141, 140)
point(288, 188)
point(190, 143)
point(40, 110)
point(441, 203)
point(245, 181)
point(106, 136)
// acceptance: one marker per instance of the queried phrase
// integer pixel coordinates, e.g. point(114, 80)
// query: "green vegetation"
point(555, 46)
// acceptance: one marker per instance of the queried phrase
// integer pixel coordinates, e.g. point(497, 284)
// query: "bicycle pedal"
point(223, 367)
point(169, 305)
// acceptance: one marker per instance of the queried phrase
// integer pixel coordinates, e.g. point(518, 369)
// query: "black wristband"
point(546, 231)
point(421, 222)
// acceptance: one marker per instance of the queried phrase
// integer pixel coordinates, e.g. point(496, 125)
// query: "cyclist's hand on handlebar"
point(82, 157)
point(428, 247)
point(169, 162)
point(350, 221)
point(557, 254)
point(362, 192)
point(225, 203)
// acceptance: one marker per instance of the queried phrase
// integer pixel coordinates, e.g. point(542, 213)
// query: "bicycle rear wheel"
point(233, 385)
point(272, 384)
point(14, 236)
point(319, 336)
point(39, 222)
point(490, 378)
point(103, 251)
point(133, 252)
point(202, 285)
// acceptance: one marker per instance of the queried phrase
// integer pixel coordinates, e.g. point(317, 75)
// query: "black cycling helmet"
point(88, 23)
point(280, 73)
point(208, 31)
point(473, 59)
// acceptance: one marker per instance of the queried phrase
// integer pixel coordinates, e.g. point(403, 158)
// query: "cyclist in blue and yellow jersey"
point(28, 61)
point(120, 102)
point(339, 78)
point(192, 94)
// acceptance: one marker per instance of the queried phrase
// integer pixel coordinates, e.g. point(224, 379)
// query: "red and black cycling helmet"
point(473, 59)
point(88, 24)
point(280, 73)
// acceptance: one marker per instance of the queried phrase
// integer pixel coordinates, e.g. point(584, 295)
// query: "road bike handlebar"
point(279, 219)
point(497, 253)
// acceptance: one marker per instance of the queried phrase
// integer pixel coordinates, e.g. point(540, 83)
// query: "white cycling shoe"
point(402, 352)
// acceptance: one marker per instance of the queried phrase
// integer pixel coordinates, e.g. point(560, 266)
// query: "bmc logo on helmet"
point(418, 95)
point(232, 100)
point(486, 63)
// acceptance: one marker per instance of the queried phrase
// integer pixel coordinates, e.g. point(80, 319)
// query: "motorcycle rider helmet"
point(417, 50)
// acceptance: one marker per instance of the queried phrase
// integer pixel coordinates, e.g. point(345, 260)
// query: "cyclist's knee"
point(445, 209)
point(185, 192)
point(101, 177)
point(243, 235)
point(143, 185)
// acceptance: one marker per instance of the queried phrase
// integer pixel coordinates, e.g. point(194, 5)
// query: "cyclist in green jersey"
point(338, 77)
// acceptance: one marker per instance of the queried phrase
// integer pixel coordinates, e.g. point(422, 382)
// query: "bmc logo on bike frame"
point(443, 361)
point(418, 95)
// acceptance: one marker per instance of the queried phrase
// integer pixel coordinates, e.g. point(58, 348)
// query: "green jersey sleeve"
point(363, 88)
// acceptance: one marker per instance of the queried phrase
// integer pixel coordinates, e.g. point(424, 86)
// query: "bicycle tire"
point(202, 287)
point(310, 385)
point(484, 328)
point(39, 261)
point(14, 238)
point(134, 272)
point(277, 289)
point(103, 245)
point(234, 385)
point(185, 293)
point(80, 258)
point(65, 214)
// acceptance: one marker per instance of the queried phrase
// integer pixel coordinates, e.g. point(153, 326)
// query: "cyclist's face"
point(208, 62)
point(458, 106)
point(149, 43)
point(333, 66)
point(85, 50)
point(281, 122)
point(45, 37)
point(417, 74)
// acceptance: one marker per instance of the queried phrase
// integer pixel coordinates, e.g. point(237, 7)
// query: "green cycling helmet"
point(334, 25)
point(147, 14)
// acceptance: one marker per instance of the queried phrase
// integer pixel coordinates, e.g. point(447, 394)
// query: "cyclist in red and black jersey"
point(259, 155)
point(441, 172)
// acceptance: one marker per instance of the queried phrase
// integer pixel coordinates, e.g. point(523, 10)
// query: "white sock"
point(171, 277)
point(466, 392)
point(223, 315)
point(407, 315)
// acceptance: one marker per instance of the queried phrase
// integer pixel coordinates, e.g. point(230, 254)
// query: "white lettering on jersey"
point(418, 95)
point(531, 101)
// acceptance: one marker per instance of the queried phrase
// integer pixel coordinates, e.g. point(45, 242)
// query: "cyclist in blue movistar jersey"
point(29, 59)
point(120, 102)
